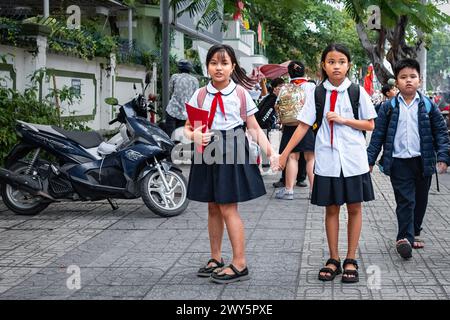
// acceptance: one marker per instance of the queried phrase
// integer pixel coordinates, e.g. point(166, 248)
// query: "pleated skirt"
point(306, 145)
point(224, 172)
point(337, 191)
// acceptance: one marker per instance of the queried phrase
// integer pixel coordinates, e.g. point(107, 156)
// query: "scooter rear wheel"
point(20, 202)
point(165, 203)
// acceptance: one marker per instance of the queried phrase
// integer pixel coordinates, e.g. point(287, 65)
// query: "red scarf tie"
point(333, 98)
point(217, 100)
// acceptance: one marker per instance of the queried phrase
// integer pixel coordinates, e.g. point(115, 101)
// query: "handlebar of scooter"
point(113, 121)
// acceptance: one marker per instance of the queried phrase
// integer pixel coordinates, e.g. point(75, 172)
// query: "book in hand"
point(197, 118)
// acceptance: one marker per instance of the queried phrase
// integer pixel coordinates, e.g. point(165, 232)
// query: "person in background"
point(182, 86)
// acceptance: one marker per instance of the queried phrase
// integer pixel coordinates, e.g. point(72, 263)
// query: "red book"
point(197, 118)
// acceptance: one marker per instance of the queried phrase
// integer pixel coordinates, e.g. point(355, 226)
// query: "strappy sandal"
point(349, 275)
point(229, 278)
point(207, 271)
point(326, 270)
point(420, 243)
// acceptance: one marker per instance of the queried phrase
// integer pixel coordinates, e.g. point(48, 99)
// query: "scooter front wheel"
point(165, 201)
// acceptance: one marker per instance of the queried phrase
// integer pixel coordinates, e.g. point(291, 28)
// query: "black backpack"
point(320, 96)
point(266, 115)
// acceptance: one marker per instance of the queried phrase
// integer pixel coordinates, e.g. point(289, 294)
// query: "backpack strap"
point(240, 92)
point(201, 97)
point(353, 93)
point(428, 103)
point(243, 99)
point(320, 94)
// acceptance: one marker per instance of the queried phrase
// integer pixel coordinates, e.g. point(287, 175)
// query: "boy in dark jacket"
point(412, 132)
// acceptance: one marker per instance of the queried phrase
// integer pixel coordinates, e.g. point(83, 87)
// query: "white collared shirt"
point(407, 138)
point(232, 106)
point(349, 145)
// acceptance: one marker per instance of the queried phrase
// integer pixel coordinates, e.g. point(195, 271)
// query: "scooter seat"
point(89, 139)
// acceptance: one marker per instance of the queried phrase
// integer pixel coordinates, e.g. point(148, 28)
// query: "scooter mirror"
point(112, 101)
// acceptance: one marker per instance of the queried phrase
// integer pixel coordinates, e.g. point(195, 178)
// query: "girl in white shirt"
point(341, 165)
point(224, 182)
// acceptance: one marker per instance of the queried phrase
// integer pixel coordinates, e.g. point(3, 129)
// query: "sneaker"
point(301, 184)
point(278, 184)
point(284, 194)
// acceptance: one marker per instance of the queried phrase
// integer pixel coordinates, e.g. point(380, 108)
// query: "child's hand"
point(370, 169)
point(202, 138)
point(333, 116)
point(441, 167)
point(274, 162)
point(282, 162)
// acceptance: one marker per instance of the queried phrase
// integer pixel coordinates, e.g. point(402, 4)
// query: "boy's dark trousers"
point(411, 195)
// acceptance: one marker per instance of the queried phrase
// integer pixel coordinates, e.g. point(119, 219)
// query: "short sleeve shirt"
point(232, 106)
point(348, 153)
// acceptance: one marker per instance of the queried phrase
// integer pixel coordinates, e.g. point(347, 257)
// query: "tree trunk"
point(113, 26)
point(398, 48)
point(375, 53)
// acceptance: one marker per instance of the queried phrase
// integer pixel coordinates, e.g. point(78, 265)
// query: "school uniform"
point(341, 167)
point(223, 173)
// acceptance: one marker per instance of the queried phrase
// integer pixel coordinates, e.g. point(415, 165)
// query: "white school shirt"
point(349, 145)
point(232, 106)
point(407, 138)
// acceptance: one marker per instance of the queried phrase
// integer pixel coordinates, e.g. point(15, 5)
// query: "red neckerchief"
point(298, 82)
point(333, 98)
point(217, 100)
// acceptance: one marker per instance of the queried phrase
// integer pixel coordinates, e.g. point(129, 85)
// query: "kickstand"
point(113, 204)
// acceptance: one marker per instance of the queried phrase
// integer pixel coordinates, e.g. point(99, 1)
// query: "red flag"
point(368, 80)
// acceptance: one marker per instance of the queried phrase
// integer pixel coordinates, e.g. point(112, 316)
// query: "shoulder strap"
point(353, 93)
point(242, 98)
point(428, 103)
point(201, 97)
point(320, 94)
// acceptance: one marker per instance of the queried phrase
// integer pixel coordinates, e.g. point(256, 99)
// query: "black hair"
point(406, 63)
point(386, 88)
point(312, 81)
point(296, 69)
point(334, 47)
point(275, 83)
point(238, 74)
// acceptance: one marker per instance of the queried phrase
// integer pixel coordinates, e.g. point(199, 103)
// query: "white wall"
point(96, 82)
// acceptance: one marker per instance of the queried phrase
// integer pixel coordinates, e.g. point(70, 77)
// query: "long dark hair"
point(238, 74)
point(334, 47)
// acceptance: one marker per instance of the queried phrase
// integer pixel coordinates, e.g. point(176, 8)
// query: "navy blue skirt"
point(329, 191)
point(306, 145)
point(224, 173)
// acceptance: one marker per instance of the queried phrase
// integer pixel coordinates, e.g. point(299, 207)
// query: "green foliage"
point(27, 107)
point(438, 61)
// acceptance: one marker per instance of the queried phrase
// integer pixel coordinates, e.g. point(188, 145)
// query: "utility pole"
point(165, 52)
point(46, 8)
point(422, 57)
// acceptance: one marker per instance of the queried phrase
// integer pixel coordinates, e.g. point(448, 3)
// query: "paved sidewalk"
point(133, 254)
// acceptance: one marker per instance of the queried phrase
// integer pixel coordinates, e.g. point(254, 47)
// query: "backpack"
point(320, 94)
point(253, 146)
point(266, 115)
point(290, 101)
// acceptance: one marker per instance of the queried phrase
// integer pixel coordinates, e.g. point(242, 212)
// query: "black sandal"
point(207, 271)
point(333, 273)
point(229, 278)
point(350, 276)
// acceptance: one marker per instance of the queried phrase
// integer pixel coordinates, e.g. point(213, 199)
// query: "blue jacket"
point(434, 140)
